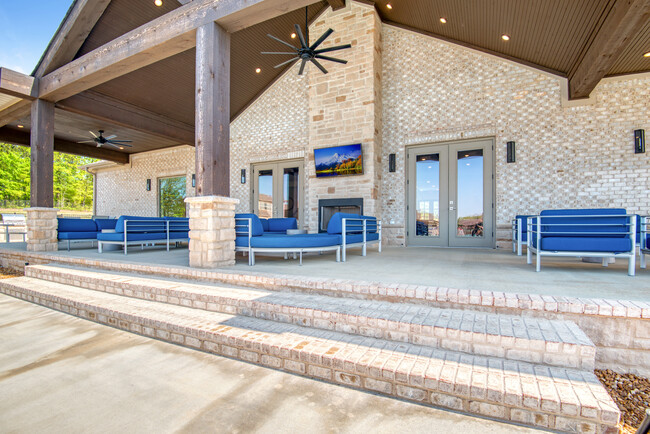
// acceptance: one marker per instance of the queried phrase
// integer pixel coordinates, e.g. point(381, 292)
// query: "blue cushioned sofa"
point(519, 233)
point(343, 231)
point(599, 233)
point(133, 230)
point(74, 230)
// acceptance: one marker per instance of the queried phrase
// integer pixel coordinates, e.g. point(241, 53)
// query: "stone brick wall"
point(567, 157)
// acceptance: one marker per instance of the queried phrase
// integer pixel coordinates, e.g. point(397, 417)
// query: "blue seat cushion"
point(358, 238)
point(281, 224)
point(77, 235)
point(601, 227)
point(296, 241)
point(242, 225)
point(142, 236)
point(585, 244)
point(105, 224)
point(76, 225)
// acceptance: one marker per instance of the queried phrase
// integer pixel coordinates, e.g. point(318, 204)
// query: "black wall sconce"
point(148, 184)
point(639, 141)
point(510, 157)
point(391, 162)
point(193, 180)
point(243, 176)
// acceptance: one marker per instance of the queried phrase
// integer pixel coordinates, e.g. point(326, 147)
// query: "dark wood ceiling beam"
point(17, 137)
point(477, 48)
point(336, 4)
point(111, 110)
point(17, 84)
point(159, 39)
point(72, 33)
point(15, 112)
point(616, 32)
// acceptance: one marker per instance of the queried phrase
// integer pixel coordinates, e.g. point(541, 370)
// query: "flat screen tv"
point(339, 160)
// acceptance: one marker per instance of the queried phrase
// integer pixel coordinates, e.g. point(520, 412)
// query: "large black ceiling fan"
point(102, 141)
point(308, 52)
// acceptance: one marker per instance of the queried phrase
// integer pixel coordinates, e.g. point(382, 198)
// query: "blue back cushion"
point(76, 225)
point(523, 222)
point(265, 224)
point(257, 228)
point(282, 224)
point(150, 227)
point(335, 225)
point(105, 224)
point(585, 226)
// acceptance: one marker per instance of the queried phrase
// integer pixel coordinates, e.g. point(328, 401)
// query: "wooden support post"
point(42, 154)
point(212, 122)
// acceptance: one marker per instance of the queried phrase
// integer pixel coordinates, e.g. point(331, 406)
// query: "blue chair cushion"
point(77, 235)
point(358, 238)
point(142, 236)
point(335, 225)
point(257, 228)
point(523, 222)
point(265, 224)
point(76, 225)
point(600, 227)
point(105, 224)
point(584, 244)
point(296, 241)
point(281, 224)
point(155, 224)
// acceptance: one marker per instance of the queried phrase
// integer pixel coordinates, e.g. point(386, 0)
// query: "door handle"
point(451, 208)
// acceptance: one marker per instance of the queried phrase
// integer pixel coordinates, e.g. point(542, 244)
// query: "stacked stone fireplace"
point(328, 207)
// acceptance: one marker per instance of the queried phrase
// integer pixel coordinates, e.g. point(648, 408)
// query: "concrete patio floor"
point(59, 373)
point(480, 269)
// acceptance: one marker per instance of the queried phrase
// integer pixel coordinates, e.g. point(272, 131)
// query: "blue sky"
point(26, 27)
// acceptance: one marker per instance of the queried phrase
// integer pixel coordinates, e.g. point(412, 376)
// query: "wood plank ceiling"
point(552, 35)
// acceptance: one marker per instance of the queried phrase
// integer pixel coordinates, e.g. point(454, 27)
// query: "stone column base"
point(41, 230)
point(212, 231)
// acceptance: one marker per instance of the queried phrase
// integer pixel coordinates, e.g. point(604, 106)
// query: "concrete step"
point(530, 339)
point(556, 398)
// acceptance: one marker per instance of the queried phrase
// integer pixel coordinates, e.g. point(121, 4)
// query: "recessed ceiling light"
point(258, 70)
point(293, 36)
point(20, 126)
point(505, 37)
point(646, 54)
point(158, 3)
point(443, 20)
point(389, 6)
point(121, 147)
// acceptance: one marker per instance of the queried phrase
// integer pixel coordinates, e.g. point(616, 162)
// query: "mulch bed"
point(6, 273)
point(632, 395)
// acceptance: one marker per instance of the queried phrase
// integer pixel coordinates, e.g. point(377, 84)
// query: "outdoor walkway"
point(63, 374)
point(479, 269)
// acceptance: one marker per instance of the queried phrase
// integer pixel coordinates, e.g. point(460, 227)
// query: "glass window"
point(291, 194)
point(265, 196)
point(427, 195)
point(171, 196)
point(470, 193)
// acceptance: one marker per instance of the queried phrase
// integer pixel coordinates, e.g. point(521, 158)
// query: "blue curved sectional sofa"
point(255, 235)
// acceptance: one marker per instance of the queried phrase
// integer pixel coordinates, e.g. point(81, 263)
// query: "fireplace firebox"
point(328, 207)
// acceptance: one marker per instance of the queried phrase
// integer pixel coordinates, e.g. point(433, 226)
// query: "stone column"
point(41, 230)
point(212, 231)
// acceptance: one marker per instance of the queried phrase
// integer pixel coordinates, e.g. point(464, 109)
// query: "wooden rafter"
point(104, 108)
point(336, 4)
point(617, 30)
point(16, 84)
point(15, 112)
point(163, 37)
point(17, 137)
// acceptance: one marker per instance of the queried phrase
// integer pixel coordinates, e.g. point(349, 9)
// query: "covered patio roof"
point(109, 62)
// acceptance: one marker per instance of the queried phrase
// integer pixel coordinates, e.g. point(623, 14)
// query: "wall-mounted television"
point(339, 160)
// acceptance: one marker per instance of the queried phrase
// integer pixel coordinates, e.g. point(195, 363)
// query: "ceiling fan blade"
point(326, 50)
point(278, 52)
point(281, 41)
point(300, 36)
point(319, 66)
point(110, 137)
point(94, 135)
point(119, 141)
point(87, 141)
point(302, 66)
point(321, 39)
point(331, 59)
point(288, 61)
point(119, 145)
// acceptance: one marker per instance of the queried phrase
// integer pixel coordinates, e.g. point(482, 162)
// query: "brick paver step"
point(531, 339)
point(552, 397)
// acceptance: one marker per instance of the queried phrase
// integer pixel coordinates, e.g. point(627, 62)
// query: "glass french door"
point(278, 189)
point(450, 195)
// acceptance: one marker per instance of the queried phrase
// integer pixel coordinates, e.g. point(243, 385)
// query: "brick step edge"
point(398, 292)
point(573, 350)
point(573, 401)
